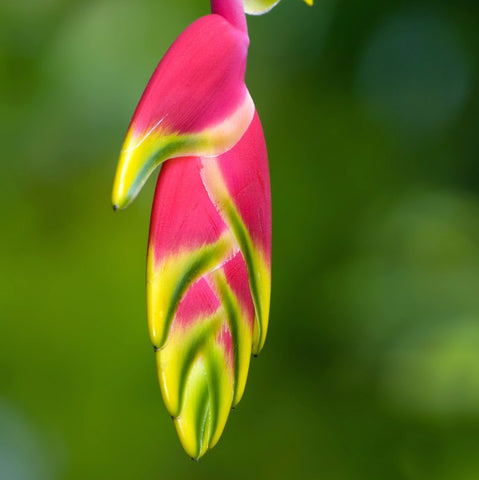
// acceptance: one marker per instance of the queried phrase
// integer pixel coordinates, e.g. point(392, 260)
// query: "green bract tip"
point(258, 7)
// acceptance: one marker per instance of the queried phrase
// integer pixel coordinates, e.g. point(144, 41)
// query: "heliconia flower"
point(208, 284)
point(209, 252)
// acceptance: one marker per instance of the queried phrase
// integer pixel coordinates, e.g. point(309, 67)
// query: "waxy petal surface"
point(208, 283)
point(196, 103)
point(209, 252)
point(240, 190)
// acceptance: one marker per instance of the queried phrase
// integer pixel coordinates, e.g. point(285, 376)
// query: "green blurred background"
point(371, 367)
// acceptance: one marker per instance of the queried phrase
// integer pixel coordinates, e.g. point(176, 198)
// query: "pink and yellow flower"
point(209, 252)
point(208, 282)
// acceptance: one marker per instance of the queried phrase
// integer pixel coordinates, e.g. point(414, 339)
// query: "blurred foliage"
point(371, 368)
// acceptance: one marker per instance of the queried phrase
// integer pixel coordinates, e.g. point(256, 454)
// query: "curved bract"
point(208, 283)
point(209, 251)
point(196, 103)
point(258, 7)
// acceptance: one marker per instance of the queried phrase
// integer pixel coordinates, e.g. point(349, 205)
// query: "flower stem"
point(231, 10)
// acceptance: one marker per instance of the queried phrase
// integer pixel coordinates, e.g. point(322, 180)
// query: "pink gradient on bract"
point(199, 82)
point(225, 340)
point(246, 173)
point(237, 278)
point(183, 216)
point(198, 301)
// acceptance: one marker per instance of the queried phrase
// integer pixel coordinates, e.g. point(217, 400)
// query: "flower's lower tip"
point(115, 208)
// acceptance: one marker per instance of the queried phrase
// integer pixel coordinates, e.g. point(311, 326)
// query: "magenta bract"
point(209, 252)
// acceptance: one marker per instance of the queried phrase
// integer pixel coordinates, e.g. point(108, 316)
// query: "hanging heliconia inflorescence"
point(209, 251)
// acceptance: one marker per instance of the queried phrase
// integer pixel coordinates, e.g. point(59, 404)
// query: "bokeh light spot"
point(22, 456)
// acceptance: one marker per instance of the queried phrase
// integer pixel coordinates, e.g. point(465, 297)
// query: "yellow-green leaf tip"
point(258, 7)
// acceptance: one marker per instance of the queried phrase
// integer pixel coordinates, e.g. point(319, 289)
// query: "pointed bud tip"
point(115, 208)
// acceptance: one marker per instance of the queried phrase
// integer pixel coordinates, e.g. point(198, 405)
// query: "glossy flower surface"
point(209, 282)
point(196, 103)
point(209, 252)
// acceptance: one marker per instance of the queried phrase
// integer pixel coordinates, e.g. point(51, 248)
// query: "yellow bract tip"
point(309, 2)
